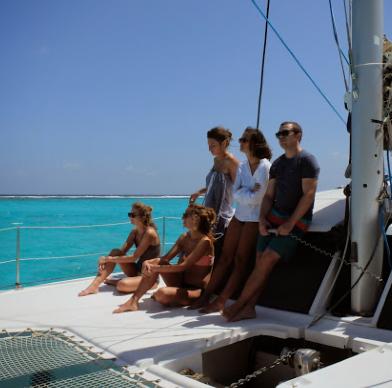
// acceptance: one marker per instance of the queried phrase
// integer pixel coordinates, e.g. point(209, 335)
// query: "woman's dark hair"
point(207, 218)
point(144, 212)
point(258, 144)
point(219, 134)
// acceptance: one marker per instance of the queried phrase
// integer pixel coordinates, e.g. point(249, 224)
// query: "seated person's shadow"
point(151, 306)
point(168, 312)
point(109, 288)
point(206, 319)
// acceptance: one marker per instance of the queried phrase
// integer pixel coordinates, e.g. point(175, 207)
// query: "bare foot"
point(111, 282)
point(88, 291)
point(200, 302)
point(230, 312)
point(131, 305)
point(217, 305)
point(245, 313)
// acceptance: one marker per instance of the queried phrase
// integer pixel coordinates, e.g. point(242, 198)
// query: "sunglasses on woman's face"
point(243, 140)
point(132, 215)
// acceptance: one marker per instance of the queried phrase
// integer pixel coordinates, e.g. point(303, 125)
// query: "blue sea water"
point(53, 212)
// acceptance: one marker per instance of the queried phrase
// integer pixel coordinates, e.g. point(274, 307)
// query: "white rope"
point(80, 226)
point(8, 261)
point(72, 227)
point(60, 257)
point(5, 229)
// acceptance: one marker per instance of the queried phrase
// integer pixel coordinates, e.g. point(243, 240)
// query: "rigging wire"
point(348, 19)
point(299, 63)
point(341, 54)
point(348, 22)
point(262, 66)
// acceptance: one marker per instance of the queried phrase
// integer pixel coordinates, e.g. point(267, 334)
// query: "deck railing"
point(18, 259)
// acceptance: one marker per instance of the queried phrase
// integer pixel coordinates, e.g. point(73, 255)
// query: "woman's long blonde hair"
point(145, 213)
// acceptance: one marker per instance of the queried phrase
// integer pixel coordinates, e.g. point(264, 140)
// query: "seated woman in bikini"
point(186, 280)
point(145, 237)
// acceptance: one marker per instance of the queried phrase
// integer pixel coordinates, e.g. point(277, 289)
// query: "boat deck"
point(147, 336)
point(158, 339)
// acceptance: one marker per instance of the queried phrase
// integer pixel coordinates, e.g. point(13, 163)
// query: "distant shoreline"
point(85, 196)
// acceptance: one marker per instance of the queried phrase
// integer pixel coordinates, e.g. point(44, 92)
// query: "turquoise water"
point(89, 242)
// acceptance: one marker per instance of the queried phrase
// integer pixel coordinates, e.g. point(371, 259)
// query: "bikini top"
point(151, 252)
point(204, 261)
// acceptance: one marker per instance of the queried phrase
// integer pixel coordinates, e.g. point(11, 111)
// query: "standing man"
point(287, 207)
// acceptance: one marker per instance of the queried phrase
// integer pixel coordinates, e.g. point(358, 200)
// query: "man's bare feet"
point(88, 291)
point(131, 305)
point(199, 302)
point(217, 305)
point(246, 313)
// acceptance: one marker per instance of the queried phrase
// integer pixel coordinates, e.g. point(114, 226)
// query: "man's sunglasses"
point(285, 133)
point(132, 215)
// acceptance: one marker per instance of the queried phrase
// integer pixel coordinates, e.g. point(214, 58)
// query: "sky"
point(116, 97)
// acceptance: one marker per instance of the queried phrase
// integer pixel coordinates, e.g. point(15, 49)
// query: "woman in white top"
point(241, 236)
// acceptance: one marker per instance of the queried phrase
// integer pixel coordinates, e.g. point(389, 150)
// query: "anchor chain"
point(332, 256)
point(258, 372)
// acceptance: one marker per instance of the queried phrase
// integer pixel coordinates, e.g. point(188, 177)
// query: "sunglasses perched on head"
point(132, 214)
point(243, 140)
point(285, 133)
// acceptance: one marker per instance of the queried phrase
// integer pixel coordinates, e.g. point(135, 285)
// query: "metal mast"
point(367, 150)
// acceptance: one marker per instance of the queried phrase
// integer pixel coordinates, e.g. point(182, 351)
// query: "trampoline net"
point(53, 359)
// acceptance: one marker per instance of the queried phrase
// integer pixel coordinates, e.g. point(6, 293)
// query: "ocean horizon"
point(94, 196)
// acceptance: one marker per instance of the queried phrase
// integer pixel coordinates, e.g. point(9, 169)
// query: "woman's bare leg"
point(128, 268)
point(176, 296)
point(244, 307)
point(130, 284)
point(219, 272)
point(243, 256)
point(111, 282)
point(130, 271)
point(147, 281)
point(101, 275)
point(99, 279)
